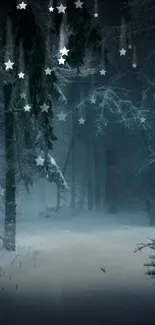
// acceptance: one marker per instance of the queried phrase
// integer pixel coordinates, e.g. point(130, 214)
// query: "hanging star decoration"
point(102, 72)
point(96, 15)
point(44, 108)
point(23, 95)
point(9, 65)
point(81, 121)
point(142, 119)
point(122, 52)
point(51, 9)
point(64, 51)
point(27, 108)
point(134, 65)
point(48, 71)
point(21, 75)
point(61, 60)
point(79, 4)
point(61, 9)
point(61, 116)
point(40, 161)
point(22, 5)
point(93, 100)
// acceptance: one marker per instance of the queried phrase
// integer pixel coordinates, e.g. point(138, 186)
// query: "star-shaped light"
point(130, 46)
point(61, 9)
point(122, 52)
point(134, 65)
point(51, 9)
point(81, 121)
point(27, 108)
point(142, 119)
point(61, 60)
point(93, 100)
point(103, 72)
point(78, 4)
point(96, 15)
point(48, 71)
point(23, 95)
point(61, 116)
point(8, 65)
point(40, 161)
point(64, 51)
point(44, 108)
point(1, 191)
point(21, 75)
point(22, 5)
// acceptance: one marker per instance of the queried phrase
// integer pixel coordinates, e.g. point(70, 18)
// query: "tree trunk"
point(89, 176)
point(58, 199)
point(73, 179)
point(150, 211)
point(98, 178)
point(110, 189)
point(89, 157)
point(82, 191)
point(64, 170)
point(83, 181)
point(10, 194)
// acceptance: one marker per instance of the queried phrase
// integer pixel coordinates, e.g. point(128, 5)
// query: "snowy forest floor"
point(55, 277)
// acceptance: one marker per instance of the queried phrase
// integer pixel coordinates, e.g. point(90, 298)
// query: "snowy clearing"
point(57, 262)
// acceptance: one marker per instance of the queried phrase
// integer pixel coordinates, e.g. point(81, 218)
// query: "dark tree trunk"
point(64, 170)
point(150, 211)
point(83, 180)
point(10, 194)
point(82, 191)
point(98, 178)
point(73, 162)
point(110, 188)
point(58, 199)
point(89, 175)
point(89, 157)
point(73, 180)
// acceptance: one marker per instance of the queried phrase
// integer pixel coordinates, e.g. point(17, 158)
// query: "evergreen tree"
point(29, 134)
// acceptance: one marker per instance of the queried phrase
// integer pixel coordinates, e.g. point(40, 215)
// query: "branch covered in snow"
point(49, 170)
point(151, 264)
point(110, 103)
point(54, 173)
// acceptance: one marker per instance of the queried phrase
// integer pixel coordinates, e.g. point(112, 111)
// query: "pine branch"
point(151, 264)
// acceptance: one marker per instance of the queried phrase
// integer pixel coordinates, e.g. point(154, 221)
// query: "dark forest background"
point(104, 163)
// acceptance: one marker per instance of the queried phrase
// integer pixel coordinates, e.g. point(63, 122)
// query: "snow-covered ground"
point(57, 267)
